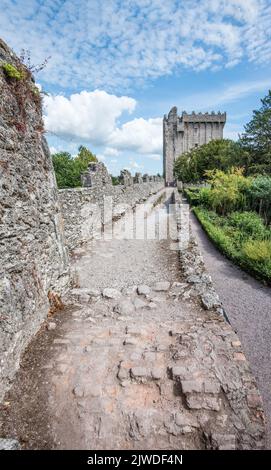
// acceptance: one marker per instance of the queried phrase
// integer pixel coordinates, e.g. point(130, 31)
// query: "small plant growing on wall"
point(12, 72)
point(19, 77)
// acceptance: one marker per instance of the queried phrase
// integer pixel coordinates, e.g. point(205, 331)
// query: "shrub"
point(257, 250)
point(227, 190)
point(249, 224)
point(192, 195)
point(259, 196)
point(219, 154)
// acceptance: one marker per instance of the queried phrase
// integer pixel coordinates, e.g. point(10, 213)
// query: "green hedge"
point(242, 237)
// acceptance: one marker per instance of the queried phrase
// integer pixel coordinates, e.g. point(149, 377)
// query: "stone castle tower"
point(181, 134)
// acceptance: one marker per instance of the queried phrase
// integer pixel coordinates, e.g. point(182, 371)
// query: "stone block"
point(190, 386)
point(161, 286)
point(203, 401)
point(110, 293)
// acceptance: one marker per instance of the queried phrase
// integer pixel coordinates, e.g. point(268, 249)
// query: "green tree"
point(64, 169)
point(219, 154)
point(68, 169)
point(257, 138)
point(81, 161)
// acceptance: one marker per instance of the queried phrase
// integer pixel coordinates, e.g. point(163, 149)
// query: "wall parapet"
point(83, 208)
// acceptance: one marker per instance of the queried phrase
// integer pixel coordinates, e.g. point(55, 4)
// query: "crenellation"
point(182, 133)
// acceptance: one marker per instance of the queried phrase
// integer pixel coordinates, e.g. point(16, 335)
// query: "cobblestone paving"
point(134, 363)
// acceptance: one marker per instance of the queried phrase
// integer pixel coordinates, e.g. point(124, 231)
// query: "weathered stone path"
point(248, 306)
point(134, 362)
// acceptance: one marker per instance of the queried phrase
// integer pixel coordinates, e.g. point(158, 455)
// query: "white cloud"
point(86, 115)
point(134, 165)
point(111, 44)
point(140, 135)
point(93, 116)
point(111, 152)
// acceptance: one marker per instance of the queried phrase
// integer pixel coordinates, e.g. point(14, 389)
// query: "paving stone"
point(210, 300)
point(140, 372)
point(190, 386)
point(143, 289)
point(129, 340)
point(138, 303)
point(78, 391)
point(238, 356)
point(161, 286)
point(157, 373)
point(194, 279)
point(179, 372)
point(152, 306)
point(157, 299)
point(129, 290)
point(211, 386)
point(134, 330)
point(203, 401)
point(125, 307)
point(110, 293)
point(92, 292)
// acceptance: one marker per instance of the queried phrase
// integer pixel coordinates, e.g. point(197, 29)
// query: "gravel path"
point(248, 306)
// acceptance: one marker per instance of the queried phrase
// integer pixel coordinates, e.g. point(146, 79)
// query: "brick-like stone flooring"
point(129, 370)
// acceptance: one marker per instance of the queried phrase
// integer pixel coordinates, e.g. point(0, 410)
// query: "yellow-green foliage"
point(226, 193)
point(12, 72)
point(257, 250)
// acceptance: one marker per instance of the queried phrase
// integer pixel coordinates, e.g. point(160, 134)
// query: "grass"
point(242, 237)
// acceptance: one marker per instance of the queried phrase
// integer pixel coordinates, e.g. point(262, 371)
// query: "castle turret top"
point(196, 117)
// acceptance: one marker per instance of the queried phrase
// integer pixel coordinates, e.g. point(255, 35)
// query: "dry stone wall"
point(34, 262)
point(82, 208)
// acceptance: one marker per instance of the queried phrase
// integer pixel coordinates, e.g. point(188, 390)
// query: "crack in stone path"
point(133, 362)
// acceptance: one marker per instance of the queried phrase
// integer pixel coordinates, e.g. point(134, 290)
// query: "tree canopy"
point(219, 154)
point(257, 138)
point(68, 169)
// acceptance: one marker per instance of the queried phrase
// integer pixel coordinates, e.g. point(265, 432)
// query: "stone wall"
point(82, 208)
point(34, 262)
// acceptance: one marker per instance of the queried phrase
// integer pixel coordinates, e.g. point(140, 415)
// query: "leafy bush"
point(257, 250)
point(249, 224)
point(227, 190)
point(219, 154)
point(192, 195)
point(259, 196)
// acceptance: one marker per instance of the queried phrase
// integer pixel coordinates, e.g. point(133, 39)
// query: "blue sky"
point(116, 66)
